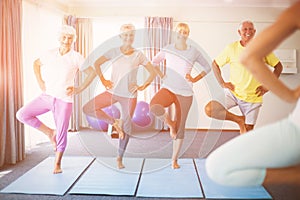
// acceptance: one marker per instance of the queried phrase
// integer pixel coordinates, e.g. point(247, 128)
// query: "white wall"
point(216, 31)
point(212, 28)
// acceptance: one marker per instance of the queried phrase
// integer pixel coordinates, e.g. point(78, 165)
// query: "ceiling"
point(210, 3)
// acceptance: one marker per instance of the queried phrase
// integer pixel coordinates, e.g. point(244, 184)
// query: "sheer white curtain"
point(84, 45)
point(158, 33)
point(39, 34)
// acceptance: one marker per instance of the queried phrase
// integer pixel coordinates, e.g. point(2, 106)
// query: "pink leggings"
point(44, 103)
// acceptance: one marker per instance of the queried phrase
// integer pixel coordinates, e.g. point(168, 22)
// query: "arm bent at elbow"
point(263, 44)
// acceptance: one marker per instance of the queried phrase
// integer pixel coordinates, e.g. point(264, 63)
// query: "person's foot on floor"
point(120, 163)
point(57, 169)
point(175, 164)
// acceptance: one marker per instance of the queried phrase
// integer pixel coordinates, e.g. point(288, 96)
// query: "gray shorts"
point(249, 110)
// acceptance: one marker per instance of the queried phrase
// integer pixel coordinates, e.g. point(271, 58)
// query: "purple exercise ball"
point(142, 116)
point(101, 125)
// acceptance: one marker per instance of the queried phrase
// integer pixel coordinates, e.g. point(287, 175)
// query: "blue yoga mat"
point(213, 190)
point(103, 177)
point(160, 180)
point(41, 180)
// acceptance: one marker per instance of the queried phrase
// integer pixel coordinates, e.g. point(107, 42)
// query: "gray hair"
point(70, 30)
point(245, 21)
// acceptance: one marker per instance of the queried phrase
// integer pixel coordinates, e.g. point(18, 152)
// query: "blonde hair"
point(127, 27)
point(66, 29)
point(183, 26)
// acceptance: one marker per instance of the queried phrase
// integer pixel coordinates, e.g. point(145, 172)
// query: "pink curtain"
point(12, 144)
point(84, 45)
point(158, 33)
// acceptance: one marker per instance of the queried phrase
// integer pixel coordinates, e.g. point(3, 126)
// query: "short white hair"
point(245, 21)
point(70, 30)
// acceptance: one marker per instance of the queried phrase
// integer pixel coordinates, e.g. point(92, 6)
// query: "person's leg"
point(28, 115)
point(216, 110)
point(94, 108)
point(122, 148)
point(162, 99)
point(183, 106)
point(243, 160)
point(250, 111)
point(57, 163)
point(128, 106)
point(62, 112)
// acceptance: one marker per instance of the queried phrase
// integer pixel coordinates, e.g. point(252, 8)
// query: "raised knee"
point(20, 116)
point(208, 109)
point(85, 109)
point(212, 108)
point(157, 109)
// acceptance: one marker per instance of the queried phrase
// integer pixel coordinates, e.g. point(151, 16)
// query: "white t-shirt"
point(295, 115)
point(59, 71)
point(178, 64)
point(124, 71)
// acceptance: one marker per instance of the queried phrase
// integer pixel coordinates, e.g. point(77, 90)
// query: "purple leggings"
point(44, 103)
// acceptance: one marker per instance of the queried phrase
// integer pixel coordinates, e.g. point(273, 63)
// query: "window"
point(40, 26)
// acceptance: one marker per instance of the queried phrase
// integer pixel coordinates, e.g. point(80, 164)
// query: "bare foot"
point(173, 131)
point(120, 163)
point(118, 126)
point(52, 138)
point(242, 125)
point(57, 169)
point(175, 165)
